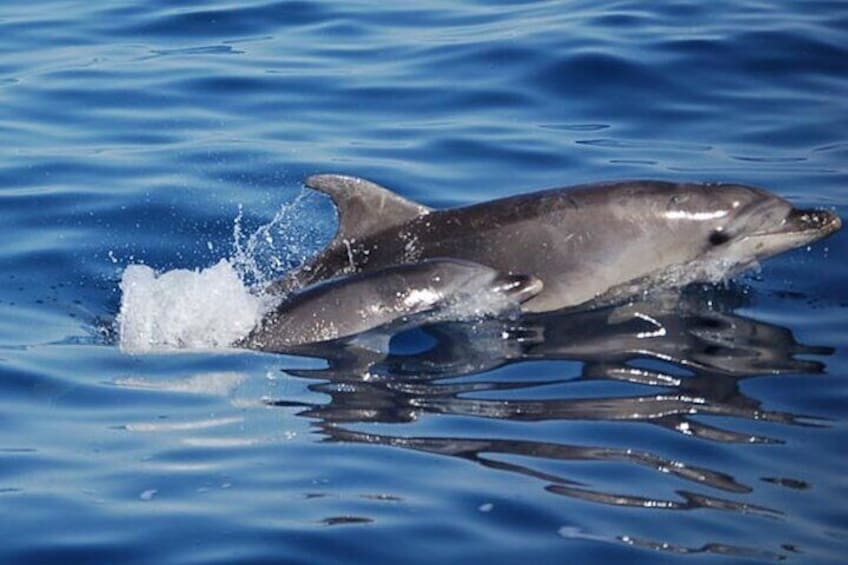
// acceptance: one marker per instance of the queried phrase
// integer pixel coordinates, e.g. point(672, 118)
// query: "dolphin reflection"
point(679, 359)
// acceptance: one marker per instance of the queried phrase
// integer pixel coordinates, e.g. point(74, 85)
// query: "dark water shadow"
point(689, 352)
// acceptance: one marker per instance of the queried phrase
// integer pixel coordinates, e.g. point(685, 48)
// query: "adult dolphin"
point(588, 243)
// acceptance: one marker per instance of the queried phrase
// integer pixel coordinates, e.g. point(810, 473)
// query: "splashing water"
point(281, 245)
point(183, 309)
point(213, 308)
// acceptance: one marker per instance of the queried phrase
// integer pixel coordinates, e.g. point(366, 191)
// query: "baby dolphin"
point(588, 244)
point(349, 306)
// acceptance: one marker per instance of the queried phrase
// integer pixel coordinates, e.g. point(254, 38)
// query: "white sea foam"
point(182, 309)
point(214, 307)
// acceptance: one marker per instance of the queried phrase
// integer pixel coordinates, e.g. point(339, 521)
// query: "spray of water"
point(281, 245)
point(214, 307)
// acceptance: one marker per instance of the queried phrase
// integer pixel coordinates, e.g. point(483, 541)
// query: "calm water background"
point(132, 132)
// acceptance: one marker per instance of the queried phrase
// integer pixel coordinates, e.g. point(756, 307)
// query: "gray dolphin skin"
point(349, 306)
point(587, 244)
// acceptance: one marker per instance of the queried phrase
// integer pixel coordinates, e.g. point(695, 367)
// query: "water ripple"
point(134, 132)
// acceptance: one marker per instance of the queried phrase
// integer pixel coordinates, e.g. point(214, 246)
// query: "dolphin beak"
point(520, 288)
point(819, 222)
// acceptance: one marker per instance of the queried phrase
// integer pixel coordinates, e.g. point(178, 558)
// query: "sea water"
point(136, 134)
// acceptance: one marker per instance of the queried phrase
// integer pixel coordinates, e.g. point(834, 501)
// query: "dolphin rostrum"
point(592, 243)
point(348, 306)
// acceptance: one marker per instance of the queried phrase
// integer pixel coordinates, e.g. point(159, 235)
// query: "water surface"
point(138, 132)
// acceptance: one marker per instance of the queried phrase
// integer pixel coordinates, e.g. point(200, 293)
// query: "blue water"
point(134, 131)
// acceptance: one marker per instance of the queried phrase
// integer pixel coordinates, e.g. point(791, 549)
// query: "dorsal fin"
point(363, 206)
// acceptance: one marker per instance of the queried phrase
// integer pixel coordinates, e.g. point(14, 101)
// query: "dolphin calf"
point(348, 306)
point(588, 244)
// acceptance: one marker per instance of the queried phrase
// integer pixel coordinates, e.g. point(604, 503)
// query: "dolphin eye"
point(718, 237)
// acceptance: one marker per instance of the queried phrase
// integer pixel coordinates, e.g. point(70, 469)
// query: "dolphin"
point(588, 244)
point(351, 305)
